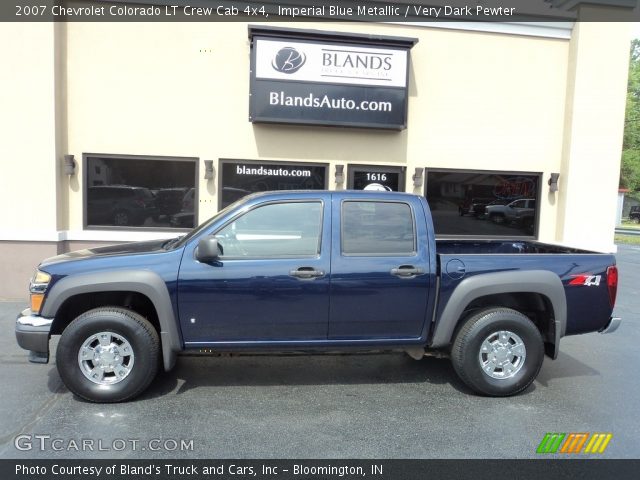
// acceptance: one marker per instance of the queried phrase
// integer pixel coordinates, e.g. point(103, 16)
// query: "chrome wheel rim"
point(106, 358)
point(502, 354)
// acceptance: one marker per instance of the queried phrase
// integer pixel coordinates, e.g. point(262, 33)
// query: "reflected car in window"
point(119, 205)
point(473, 206)
point(169, 200)
point(520, 211)
point(498, 201)
point(186, 217)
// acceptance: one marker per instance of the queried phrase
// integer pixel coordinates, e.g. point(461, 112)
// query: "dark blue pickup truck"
point(308, 272)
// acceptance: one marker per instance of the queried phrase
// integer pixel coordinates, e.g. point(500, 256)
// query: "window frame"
point(538, 197)
point(414, 253)
point(85, 193)
point(276, 202)
point(353, 167)
point(224, 161)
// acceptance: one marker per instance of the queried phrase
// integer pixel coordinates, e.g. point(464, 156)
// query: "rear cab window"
point(377, 228)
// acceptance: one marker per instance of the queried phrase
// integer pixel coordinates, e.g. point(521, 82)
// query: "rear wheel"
point(121, 218)
point(527, 225)
point(108, 354)
point(498, 352)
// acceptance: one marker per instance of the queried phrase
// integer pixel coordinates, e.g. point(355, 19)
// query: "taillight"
point(612, 283)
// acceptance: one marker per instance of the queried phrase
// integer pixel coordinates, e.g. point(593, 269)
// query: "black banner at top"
point(333, 10)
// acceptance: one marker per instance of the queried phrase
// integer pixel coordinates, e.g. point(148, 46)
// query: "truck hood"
point(131, 248)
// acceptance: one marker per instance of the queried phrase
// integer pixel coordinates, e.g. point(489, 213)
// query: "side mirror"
point(208, 249)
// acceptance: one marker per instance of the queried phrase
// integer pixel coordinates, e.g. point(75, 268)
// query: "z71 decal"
point(585, 279)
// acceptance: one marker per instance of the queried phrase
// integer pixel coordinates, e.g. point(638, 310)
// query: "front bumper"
point(612, 326)
point(32, 333)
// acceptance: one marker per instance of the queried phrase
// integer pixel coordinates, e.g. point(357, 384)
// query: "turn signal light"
point(36, 302)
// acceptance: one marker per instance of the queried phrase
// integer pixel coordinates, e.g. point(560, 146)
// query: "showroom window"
point(377, 228)
point(375, 177)
point(483, 203)
point(240, 178)
point(140, 192)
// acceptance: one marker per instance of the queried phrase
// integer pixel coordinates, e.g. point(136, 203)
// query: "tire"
point(497, 219)
point(527, 225)
point(470, 352)
point(104, 336)
point(121, 218)
point(636, 219)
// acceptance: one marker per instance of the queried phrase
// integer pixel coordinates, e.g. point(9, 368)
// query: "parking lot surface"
point(337, 406)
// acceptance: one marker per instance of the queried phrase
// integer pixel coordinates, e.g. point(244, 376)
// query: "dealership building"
point(128, 131)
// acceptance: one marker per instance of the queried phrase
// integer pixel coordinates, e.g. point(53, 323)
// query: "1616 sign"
point(328, 79)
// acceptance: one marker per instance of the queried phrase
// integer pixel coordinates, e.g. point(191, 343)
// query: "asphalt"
point(371, 406)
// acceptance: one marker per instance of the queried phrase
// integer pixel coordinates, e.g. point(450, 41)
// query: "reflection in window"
point(137, 192)
point(377, 228)
point(483, 203)
point(275, 230)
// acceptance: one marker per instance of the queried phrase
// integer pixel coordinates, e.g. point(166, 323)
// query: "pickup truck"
point(314, 271)
point(521, 211)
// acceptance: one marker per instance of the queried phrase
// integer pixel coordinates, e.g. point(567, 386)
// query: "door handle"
point(306, 273)
point(406, 271)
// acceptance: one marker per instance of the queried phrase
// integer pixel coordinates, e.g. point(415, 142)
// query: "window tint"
point(377, 228)
point(274, 230)
point(139, 192)
point(482, 203)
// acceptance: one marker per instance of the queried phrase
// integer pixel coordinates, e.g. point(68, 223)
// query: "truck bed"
point(459, 260)
point(462, 247)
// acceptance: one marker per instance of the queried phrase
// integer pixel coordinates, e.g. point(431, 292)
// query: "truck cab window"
point(377, 228)
point(278, 230)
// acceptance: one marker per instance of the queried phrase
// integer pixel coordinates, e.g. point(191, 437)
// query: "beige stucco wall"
point(19, 260)
point(28, 124)
point(478, 100)
point(593, 128)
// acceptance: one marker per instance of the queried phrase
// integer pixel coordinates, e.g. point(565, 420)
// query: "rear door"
point(379, 270)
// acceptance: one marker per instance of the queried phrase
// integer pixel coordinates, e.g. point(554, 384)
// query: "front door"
point(271, 282)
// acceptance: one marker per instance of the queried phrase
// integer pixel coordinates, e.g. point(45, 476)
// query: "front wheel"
point(121, 218)
point(108, 354)
point(498, 218)
point(498, 352)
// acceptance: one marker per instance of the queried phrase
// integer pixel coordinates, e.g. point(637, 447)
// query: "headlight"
point(39, 282)
point(37, 287)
